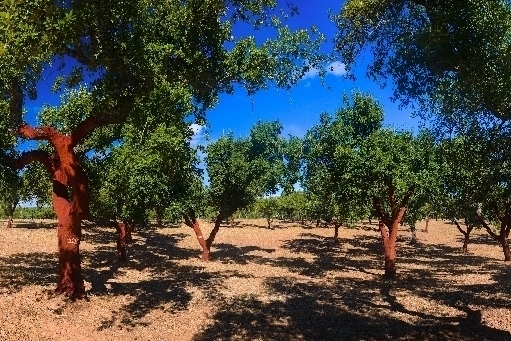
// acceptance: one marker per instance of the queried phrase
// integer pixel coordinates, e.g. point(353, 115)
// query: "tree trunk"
point(130, 228)
point(427, 225)
point(504, 231)
point(466, 239)
point(336, 233)
point(414, 234)
point(390, 250)
point(69, 236)
point(269, 221)
point(505, 247)
point(390, 258)
point(213, 232)
point(389, 237)
point(194, 224)
point(68, 177)
point(9, 222)
point(465, 243)
point(122, 231)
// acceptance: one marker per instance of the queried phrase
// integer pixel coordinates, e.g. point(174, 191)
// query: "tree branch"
point(33, 156)
point(486, 226)
point(15, 103)
point(459, 227)
point(407, 197)
point(379, 211)
point(83, 129)
point(42, 133)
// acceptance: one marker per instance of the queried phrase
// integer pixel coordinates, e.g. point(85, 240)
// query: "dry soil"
point(288, 283)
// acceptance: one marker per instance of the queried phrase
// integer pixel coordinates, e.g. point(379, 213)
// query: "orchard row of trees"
point(133, 76)
point(348, 168)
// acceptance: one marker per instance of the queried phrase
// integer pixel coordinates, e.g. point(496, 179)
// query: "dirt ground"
point(289, 283)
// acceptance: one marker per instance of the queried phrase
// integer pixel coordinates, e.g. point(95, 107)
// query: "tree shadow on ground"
point(164, 285)
point(310, 311)
point(35, 224)
point(229, 253)
point(22, 269)
point(327, 255)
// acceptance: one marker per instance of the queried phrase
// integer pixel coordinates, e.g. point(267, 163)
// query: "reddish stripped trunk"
point(67, 177)
point(388, 237)
point(69, 236)
point(389, 227)
point(191, 221)
point(130, 228)
point(213, 232)
point(122, 231)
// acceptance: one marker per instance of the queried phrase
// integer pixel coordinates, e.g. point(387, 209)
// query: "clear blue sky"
point(299, 109)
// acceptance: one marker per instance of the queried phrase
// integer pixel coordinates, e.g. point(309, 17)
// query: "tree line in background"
point(132, 78)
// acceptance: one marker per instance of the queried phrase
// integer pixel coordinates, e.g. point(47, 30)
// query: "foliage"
point(293, 206)
point(267, 208)
point(148, 170)
point(41, 212)
point(293, 156)
point(475, 171)
point(138, 63)
point(241, 170)
point(331, 151)
point(394, 164)
point(449, 56)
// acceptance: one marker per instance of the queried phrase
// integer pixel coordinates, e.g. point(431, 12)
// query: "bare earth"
point(290, 283)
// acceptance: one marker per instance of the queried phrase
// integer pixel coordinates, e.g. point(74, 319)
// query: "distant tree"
point(293, 159)
point(331, 159)
point(293, 206)
point(476, 187)
point(241, 170)
point(397, 171)
point(267, 207)
point(460, 196)
point(146, 171)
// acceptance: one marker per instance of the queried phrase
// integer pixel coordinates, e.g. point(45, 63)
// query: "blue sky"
point(299, 108)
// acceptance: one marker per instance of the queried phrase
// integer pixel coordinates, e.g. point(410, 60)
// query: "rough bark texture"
point(9, 222)
point(505, 247)
point(191, 221)
point(68, 177)
point(69, 236)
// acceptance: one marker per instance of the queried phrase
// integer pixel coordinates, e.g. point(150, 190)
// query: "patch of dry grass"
point(289, 283)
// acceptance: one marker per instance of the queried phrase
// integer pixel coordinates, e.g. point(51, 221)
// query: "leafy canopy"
point(446, 55)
